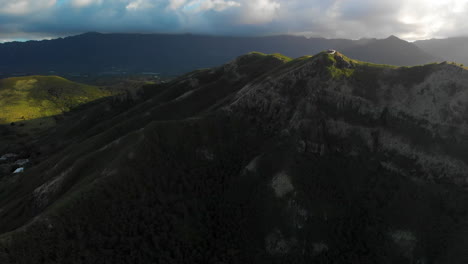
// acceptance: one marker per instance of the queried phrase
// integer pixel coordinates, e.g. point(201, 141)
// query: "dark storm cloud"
point(23, 19)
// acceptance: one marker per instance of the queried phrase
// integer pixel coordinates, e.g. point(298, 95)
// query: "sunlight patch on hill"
point(42, 97)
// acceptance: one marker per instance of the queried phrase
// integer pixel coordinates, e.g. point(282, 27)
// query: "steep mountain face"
point(265, 159)
point(95, 53)
point(451, 49)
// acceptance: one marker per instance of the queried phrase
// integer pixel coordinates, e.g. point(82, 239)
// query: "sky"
point(408, 19)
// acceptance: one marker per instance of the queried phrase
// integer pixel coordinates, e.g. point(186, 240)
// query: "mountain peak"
point(394, 38)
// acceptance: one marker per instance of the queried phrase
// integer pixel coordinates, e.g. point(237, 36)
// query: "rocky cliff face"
point(269, 160)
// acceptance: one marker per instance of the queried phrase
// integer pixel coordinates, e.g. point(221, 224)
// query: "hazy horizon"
point(214, 35)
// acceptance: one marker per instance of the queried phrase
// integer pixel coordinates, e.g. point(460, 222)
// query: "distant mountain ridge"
point(176, 54)
point(450, 49)
point(392, 50)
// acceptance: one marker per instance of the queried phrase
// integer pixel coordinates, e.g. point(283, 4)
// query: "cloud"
point(139, 5)
point(82, 3)
point(260, 11)
point(24, 7)
point(434, 18)
point(176, 4)
point(410, 19)
point(204, 5)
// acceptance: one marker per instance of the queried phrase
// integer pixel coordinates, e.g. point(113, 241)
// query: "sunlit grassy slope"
point(42, 97)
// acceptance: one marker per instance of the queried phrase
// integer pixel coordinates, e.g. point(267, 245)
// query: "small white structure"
point(331, 51)
point(18, 170)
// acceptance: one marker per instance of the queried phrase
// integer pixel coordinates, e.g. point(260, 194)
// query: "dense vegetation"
point(266, 159)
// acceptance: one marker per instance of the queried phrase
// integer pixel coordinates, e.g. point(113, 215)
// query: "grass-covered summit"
point(37, 99)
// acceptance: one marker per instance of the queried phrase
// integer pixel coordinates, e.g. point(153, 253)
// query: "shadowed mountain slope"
point(319, 159)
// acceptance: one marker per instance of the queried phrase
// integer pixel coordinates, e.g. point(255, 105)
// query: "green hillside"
point(37, 99)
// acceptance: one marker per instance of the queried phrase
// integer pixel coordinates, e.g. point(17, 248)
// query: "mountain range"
point(265, 159)
point(95, 53)
point(450, 49)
